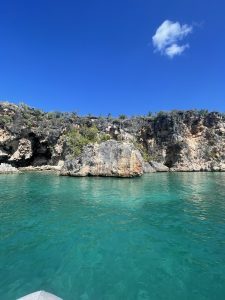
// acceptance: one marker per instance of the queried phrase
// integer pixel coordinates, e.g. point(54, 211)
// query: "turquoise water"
point(161, 236)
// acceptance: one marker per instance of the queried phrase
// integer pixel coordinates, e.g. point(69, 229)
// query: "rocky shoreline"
point(8, 169)
point(178, 141)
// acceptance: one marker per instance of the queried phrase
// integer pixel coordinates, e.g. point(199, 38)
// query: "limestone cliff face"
point(175, 141)
point(29, 137)
point(109, 158)
point(188, 141)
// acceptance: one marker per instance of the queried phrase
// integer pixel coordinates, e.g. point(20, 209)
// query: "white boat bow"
point(40, 295)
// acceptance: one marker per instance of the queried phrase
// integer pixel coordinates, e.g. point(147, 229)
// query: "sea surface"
point(161, 236)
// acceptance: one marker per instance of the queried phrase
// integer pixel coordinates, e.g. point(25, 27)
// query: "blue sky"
point(97, 56)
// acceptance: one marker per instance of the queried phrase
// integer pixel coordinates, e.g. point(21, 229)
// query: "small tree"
point(203, 112)
point(161, 113)
point(122, 117)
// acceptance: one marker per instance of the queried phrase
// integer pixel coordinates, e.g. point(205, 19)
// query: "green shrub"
point(6, 120)
point(23, 106)
point(54, 115)
point(161, 113)
point(203, 112)
point(89, 133)
point(77, 138)
point(105, 137)
point(122, 117)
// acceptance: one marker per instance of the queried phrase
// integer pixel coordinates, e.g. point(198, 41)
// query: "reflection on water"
point(156, 237)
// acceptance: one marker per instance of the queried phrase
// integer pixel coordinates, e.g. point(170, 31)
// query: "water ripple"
point(156, 237)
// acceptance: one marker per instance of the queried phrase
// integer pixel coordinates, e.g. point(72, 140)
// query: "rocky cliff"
point(175, 141)
point(110, 158)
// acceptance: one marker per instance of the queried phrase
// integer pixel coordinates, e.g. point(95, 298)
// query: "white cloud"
point(167, 37)
point(175, 49)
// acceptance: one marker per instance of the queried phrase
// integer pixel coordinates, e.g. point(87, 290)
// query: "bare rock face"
point(187, 141)
point(110, 158)
point(7, 169)
point(171, 141)
point(148, 168)
point(158, 167)
point(201, 146)
point(4, 136)
point(24, 151)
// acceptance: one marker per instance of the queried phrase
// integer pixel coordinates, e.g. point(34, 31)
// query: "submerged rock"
point(110, 158)
point(7, 169)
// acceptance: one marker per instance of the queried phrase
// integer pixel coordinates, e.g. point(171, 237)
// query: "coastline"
point(176, 141)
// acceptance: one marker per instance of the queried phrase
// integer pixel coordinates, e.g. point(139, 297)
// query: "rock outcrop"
point(111, 158)
point(147, 168)
point(169, 141)
point(23, 151)
point(7, 169)
point(158, 167)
